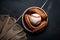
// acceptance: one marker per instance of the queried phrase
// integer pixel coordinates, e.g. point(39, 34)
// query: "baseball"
point(35, 18)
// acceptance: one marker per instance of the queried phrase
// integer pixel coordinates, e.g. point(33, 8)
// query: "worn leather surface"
point(16, 7)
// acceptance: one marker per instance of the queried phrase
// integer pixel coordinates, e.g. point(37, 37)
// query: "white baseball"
point(35, 18)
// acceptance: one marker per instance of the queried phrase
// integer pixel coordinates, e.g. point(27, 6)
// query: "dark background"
point(15, 8)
